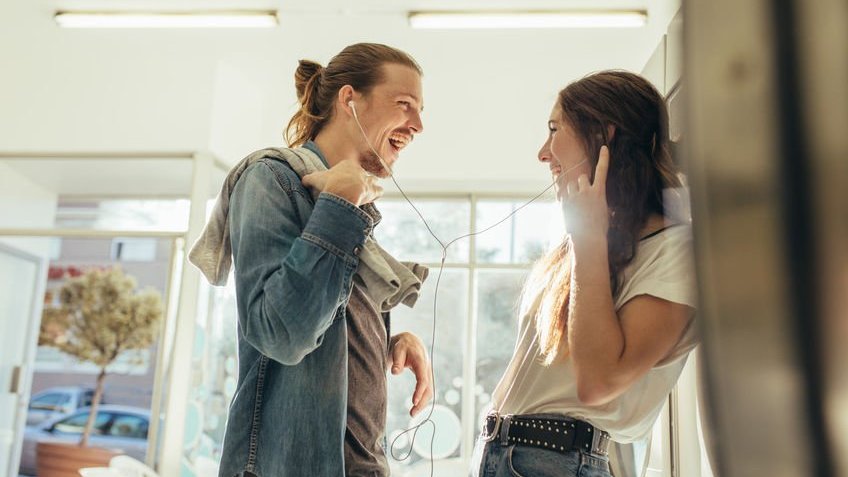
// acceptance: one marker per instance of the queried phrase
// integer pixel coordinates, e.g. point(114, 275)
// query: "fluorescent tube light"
point(575, 19)
point(238, 19)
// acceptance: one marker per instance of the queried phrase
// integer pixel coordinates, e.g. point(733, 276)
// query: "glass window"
point(129, 249)
point(132, 375)
point(405, 236)
point(76, 423)
point(214, 372)
point(128, 425)
point(498, 295)
point(521, 239)
point(77, 255)
point(654, 449)
point(452, 307)
point(112, 214)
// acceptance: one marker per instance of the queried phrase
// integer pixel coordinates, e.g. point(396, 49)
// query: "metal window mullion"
point(88, 233)
point(512, 233)
point(673, 434)
point(483, 266)
point(469, 368)
point(163, 345)
point(461, 196)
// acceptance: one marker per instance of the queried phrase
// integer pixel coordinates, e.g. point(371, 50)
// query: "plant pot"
point(65, 460)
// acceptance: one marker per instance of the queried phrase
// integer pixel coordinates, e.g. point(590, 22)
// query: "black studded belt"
point(558, 434)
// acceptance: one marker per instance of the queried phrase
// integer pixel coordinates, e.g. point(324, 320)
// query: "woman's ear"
point(606, 136)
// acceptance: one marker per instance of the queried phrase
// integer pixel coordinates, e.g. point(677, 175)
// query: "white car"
point(55, 402)
point(115, 427)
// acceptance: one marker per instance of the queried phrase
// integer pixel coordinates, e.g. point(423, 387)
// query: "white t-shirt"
point(662, 268)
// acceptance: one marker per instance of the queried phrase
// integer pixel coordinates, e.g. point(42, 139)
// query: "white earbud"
point(365, 136)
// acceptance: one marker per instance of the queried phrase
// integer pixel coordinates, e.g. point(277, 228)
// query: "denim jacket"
point(294, 263)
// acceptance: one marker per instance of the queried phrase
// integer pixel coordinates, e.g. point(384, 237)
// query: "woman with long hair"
point(607, 316)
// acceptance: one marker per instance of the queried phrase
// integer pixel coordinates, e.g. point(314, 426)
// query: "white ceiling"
point(488, 93)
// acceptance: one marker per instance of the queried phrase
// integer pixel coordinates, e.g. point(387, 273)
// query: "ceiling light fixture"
point(229, 19)
point(529, 19)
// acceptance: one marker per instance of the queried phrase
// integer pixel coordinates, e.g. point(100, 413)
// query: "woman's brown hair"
point(358, 65)
point(633, 111)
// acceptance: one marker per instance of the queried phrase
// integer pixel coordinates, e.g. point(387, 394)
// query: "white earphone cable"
point(444, 246)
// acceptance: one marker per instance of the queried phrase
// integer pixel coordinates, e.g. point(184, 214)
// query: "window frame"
point(468, 418)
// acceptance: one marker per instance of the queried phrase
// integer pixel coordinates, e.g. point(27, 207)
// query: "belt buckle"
point(495, 431)
point(600, 442)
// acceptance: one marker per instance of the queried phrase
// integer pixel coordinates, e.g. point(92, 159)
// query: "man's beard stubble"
point(372, 165)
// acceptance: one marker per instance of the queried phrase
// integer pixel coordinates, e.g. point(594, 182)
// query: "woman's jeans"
point(497, 458)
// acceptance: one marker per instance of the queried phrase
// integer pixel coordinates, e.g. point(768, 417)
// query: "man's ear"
point(346, 95)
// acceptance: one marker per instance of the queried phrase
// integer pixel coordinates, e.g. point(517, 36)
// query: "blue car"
point(115, 427)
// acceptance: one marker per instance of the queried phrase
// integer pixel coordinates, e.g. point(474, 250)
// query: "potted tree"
point(100, 316)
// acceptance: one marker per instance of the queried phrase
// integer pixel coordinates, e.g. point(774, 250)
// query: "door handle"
point(15, 382)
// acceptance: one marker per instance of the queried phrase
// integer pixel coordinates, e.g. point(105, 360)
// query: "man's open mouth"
point(399, 141)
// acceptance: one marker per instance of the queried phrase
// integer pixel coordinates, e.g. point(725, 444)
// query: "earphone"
point(444, 246)
point(364, 136)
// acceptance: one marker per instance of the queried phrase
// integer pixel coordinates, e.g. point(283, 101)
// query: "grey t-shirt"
point(368, 339)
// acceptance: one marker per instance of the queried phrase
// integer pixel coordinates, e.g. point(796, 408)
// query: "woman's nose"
point(544, 153)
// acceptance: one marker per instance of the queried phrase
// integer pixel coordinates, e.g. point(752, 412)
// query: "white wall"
point(91, 91)
point(23, 204)
point(487, 93)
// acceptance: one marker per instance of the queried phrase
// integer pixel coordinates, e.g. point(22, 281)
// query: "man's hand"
point(407, 351)
point(347, 180)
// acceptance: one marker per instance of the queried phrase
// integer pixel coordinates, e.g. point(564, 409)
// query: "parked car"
point(115, 427)
point(55, 402)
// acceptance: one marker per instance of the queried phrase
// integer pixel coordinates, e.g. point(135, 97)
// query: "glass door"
point(20, 309)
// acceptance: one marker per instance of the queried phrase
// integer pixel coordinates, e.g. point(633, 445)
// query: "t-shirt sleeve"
point(669, 274)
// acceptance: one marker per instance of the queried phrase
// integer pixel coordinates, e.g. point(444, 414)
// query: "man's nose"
point(415, 123)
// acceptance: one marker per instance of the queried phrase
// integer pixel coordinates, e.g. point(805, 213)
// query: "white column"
point(179, 382)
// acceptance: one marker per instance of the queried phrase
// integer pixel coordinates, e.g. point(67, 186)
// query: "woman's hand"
point(347, 180)
point(584, 205)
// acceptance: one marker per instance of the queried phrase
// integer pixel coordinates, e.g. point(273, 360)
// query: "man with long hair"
point(314, 288)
